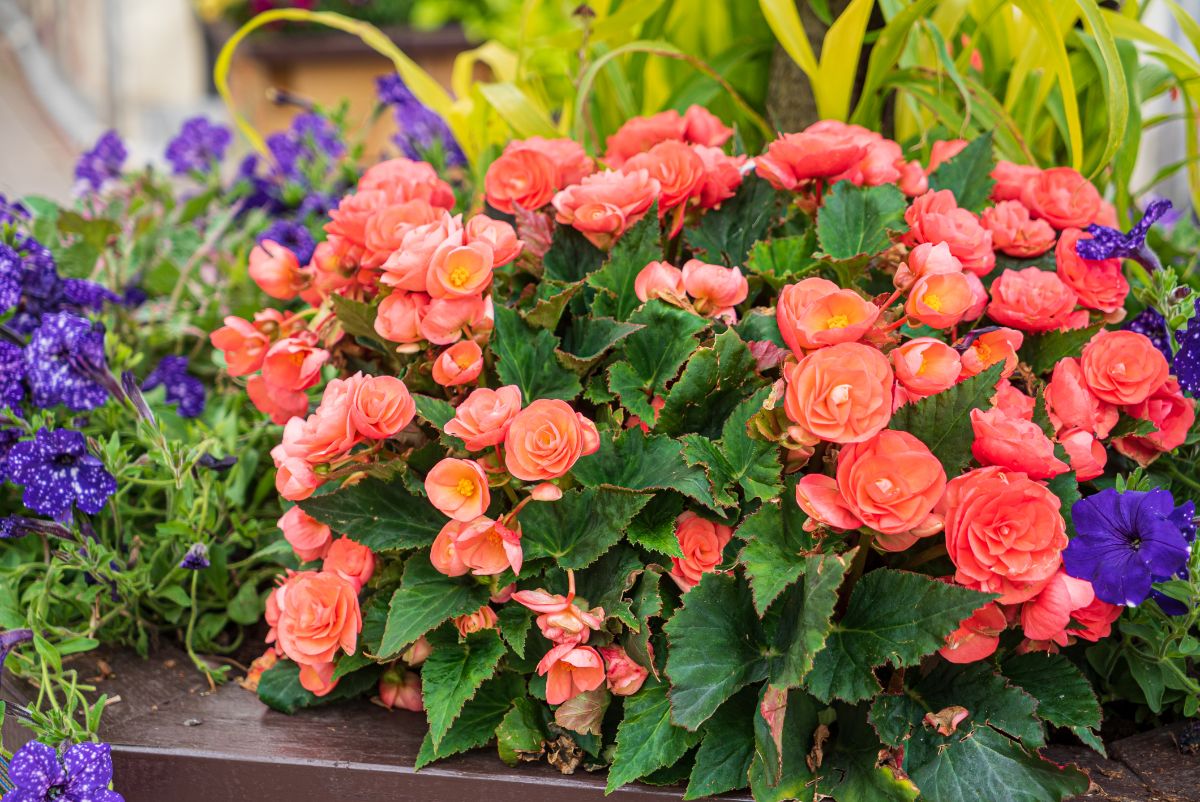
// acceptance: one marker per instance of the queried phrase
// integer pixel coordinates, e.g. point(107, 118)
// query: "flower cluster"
point(889, 380)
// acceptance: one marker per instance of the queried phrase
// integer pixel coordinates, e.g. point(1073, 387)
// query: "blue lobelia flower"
point(293, 236)
point(82, 775)
point(57, 472)
point(421, 128)
point(65, 360)
point(196, 558)
point(1126, 542)
point(12, 375)
point(1108, 243)
point(198, 147)
point(103, 162)
point(187, 392)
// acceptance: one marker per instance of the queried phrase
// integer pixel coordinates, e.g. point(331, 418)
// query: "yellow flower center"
point(837, 322)
point(465, 487)
point(463, 360)
point(983, 352)
point(924, 366)
point(459, 277)
point(933, 301)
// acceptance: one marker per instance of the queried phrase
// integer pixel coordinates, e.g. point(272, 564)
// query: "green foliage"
point(476, 724)
point(715, 648)
point(647, 739)
point(726, 235)
point(453, 672)
point(969, 174)
point(727, 748)
point(639, 462)
point(806, 618)
point(775, 541)
point(785, 260)
point(638, 246)
point(526, 357)
point(279, 687)
point(715, 380)
point(943, 421)
point(893, 617)
point(859, 220)
point(382, 515)
point(424, 600)
point(737, 460)
point(1043, 351)
point(579, 527)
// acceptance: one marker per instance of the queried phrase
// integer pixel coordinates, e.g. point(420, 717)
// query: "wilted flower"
point(196, 558)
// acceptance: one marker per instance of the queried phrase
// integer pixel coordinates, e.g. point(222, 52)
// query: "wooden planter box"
point(173, 739)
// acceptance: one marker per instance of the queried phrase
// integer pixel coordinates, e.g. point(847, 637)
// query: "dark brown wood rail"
point(175, 739)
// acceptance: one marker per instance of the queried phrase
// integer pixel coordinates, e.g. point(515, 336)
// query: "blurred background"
point(72, 69)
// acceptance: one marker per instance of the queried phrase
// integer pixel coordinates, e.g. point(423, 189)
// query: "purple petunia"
point(87, 294)
point(103, 162)
point(196, 558)
point(181, 389)
point(1186, 364)
point(9, 437)
point(198, 147)
point(12, 375)
point(65, 358)
point(57, 472)
point(1126, 542)
point(421, 129)
point(83, 774)
point(1108, 243)
point(292, 236)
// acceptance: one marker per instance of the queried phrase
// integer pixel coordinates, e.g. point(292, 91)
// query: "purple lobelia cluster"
point(199, 147)
point(423, 134)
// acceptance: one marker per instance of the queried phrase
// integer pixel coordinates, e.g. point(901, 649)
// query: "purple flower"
point(1108, 243)
point(1126, 542)
point(196, 558)
point(422, 130)
point(9, 437)
point(198, 147)
point(182, 389)
point(87, 294)
point(12, 375)
point(12, 273)
point(82, 775)
point(292, 236)
point(103, 162)
point(318, 135)
point(1154, 326)
point(12, 211)
point(57, 471)
point(66, 363)
point(10, 639)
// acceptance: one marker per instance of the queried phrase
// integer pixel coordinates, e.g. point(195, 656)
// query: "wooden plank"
point(1156, 759)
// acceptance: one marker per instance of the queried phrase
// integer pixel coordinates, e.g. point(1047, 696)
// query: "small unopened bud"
point(400, 689)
